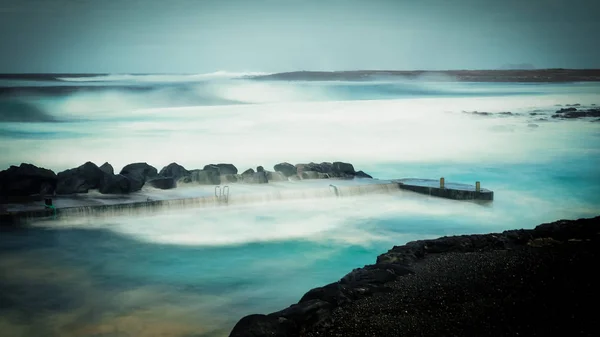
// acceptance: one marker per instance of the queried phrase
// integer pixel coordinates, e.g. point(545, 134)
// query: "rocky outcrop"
point(115, 184)
point(174, 171)
point(286, 168)
point(107, 168)
point(361, 174)
point(463, 281)
point(80, 180)
point(572, 113)
point(27, 179)
point(326, 170)
point(138, 174)
point(223, 168)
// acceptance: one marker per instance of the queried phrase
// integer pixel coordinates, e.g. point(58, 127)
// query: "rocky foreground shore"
point(28, 179)
point(536, 282)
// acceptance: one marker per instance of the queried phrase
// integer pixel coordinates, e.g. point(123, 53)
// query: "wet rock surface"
point(27, 179)
point(516, 283)
point(571, 113)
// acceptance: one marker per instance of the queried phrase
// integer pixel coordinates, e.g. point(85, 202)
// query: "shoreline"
point(491, 284)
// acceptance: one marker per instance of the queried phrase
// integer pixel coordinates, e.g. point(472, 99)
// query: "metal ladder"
point(222, 194)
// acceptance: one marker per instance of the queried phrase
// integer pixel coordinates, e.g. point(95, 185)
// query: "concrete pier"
point(443, 189)
point(210, 196)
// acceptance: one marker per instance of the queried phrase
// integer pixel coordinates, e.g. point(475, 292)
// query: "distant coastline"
point(538, 75)
point(501, 75)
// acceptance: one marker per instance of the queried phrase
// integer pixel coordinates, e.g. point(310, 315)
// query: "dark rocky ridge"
point(537, 75)
point(520, 282)
point(29, 180)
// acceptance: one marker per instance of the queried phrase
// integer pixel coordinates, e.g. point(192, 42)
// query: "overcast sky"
point(186, 36)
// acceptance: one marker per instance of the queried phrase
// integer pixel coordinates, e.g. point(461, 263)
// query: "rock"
point(263, 325)
point(260, 169)
point(115, 184)
point(163, 183)
point(506, 113)
point(174, 171)
point(210, 176)
point(107, 168)
point(230, 178)
point(532, 125)
point(314, 175)
point(480, 113)
point(286, 168)
point(576, 104)
point(27, 179)
point(248, 172)
point(361, 174)
point(138, 174)
point(566, 110)
point(320, 308)
point(256, 178)
point(275, 176)
point(223, 168)
point(578, 114)
point(343, 168)
point(80, 180)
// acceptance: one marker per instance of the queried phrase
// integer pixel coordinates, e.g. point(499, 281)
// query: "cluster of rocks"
point(484, 113)
point(27, 179)
point(570, 113)
point(410, 285)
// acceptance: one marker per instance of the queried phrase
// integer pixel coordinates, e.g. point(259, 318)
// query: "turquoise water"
point(196, 272)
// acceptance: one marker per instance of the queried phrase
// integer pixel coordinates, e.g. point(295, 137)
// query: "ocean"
point(196, 272)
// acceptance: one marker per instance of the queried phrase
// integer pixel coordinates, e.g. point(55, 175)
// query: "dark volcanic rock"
point(27, 179)
point(275, 176)
point(163, 183)
point(174, 171)
point(260, 169)
point(248, 172)
point(566, 110)
point(286, 168)
point(519, 282)
point(209, 176)
point(80, 180)
point(138, 174)
point(256, 178)
point(115, 184)
point(325, 170)
point(361, 174)
point(107, 168)
point(577, 113)
point(223, 168)
point(230, 178)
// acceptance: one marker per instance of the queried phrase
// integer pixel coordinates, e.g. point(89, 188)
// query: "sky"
point(186, 36)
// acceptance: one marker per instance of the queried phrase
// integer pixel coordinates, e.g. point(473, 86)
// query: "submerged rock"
point(80, 180)
point(27, 179)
